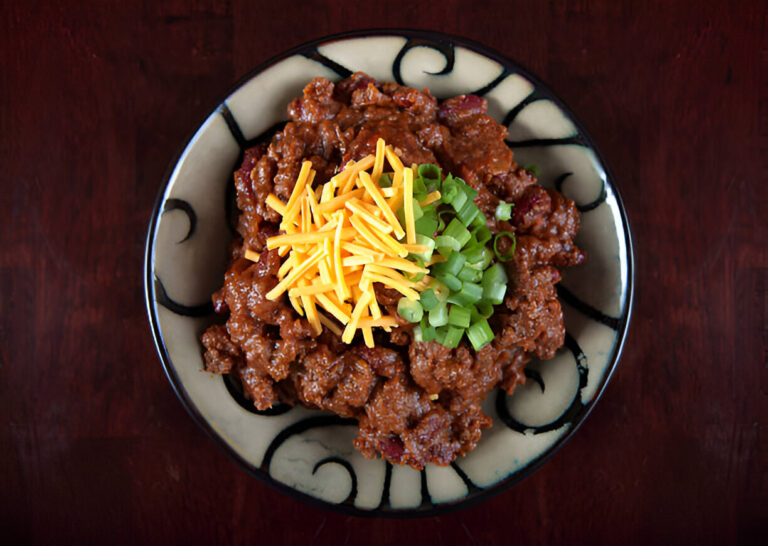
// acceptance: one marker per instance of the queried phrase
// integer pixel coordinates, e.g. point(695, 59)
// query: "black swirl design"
point(350, 470)
point(180, 204)
point(514, 111)
point(302, 426)
point(384, 503)
point(314, 55)
point(534, 375)
point(570, 415)
point(161, 297)
point(589, 206)
point(493, 84)
point(426, 498)
point(533, 142)
point(231, 212)
point(595, 314)
point(471, 487)
point(445, 48)
point(535, 96)
point(235, 390)
point(233, 126)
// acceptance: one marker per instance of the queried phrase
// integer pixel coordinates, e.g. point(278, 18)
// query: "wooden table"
point(96, 100)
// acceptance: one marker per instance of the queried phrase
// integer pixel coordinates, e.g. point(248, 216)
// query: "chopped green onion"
point(459, 316)
point(504, 211)
point(485, 308)
point(495, 274)
point(439, 315)
point(454, 263)
point(494, 284)
point(425, 241)
point(430, 209)
point(385, 181)
point(417, 212)
point(452, 336)
point(482, 234)
point(441, 291)
point(429, 172)
point(474, 315)
point(467, 294)
point(458, 200)
point(443, 217)
point(507, 256)
point(419, 187)
point(479, 257)
point(469, 273)
point(429, 300)
point(451, 281)
point(479, 220)
point(532, 168)
point(473, 254)
point(415, 277)
point(468, 213)
point(446, 244)
point(464, 287)
point(495, 293)
point(480, 334)
point(458, 230)
point(426, 330)
point(426, 225)
point(450, 190)
point(410, 310)
point(469, 190)
point(486, 261)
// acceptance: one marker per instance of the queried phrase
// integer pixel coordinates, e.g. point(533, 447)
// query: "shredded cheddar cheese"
point(338, 239)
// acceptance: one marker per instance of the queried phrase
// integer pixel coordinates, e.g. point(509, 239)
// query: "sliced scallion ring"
point(508, 255)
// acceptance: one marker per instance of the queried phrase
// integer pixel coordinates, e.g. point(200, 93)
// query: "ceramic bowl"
point(309, 453)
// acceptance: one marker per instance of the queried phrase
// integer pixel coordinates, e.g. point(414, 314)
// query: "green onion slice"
point(427, 331)
point(415, 277)
point(410, 310)
point(451, 281)
point(452, 336)
point(494, 284)
point(507, 256)
point(504, 211)
point(482, 234)
point(484, 308)
point(467, 294)
point(459, 316)
point(480, 334)
point(439, 315)
point(429, 299)
point(458, 230)
point(429, 172)
point(532, 168)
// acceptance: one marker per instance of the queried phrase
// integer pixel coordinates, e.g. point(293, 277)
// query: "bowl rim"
point(472, 498)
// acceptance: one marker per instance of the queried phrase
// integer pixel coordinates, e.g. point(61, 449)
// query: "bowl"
point(308, 453)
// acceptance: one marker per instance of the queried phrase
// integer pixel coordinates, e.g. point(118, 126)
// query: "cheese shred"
point(339, 238)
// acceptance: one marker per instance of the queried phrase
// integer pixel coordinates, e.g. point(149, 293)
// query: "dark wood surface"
point(96, 99)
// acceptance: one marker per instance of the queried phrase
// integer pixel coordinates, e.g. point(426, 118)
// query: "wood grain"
point(96, 99)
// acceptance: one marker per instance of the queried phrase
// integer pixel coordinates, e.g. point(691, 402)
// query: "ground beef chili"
point(390, 389)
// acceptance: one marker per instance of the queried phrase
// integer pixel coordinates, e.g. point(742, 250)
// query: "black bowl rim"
point(485, 493)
